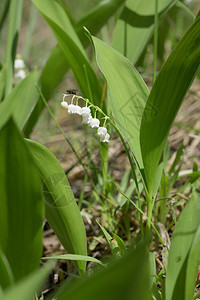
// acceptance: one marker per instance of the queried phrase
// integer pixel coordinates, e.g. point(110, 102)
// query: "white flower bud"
point(86, 119)
point(20, 74)
point(94, 122)
point(19, 64)
point(77, 110)
point(71, 109)
point(101, 131)
point(64, 104)
point(106, 138)
point(85, 111)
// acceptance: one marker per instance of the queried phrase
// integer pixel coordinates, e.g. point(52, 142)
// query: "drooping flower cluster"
point(87, 118)
point(19, 66)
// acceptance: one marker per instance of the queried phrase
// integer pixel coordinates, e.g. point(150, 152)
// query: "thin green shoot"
point(144, 216)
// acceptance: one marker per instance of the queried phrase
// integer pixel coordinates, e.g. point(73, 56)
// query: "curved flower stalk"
point(86, 114)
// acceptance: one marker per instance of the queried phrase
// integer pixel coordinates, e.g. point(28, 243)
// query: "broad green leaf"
point(135, 26)
point(26, 288)
point(125, 278)
point(53, 73)
point(192, 266)
point(21, 214)
point(183, 241)
point(75, 257)
point(72, 48)
point(61, 209)
point(166, 97)
point(97, 17)
point(21, 101)
point(127, 94)
point(15, 11)
point(6, 277)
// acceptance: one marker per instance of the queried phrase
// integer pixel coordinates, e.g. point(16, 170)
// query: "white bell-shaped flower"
point(106, 139)
point(85, 112)
point(71, 108)
point(77, 110)
point(64, 104)
point(21, 74)
point(19, 64)
point(101, 132)
point(86, 119)
point(74, 109)
point(94, 122)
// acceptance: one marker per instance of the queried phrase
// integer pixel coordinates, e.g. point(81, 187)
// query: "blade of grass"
point(75, 257)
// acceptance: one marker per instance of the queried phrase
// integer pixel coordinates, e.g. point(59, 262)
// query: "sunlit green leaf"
point(135, 26)
point(72, 48)
point(127, 94)
point(61, 209)
point(166, 97)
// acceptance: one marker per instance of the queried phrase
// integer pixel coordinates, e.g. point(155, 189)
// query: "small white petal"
point(85, 111)
point(64, 104)
point(77, 110)
point(86, 119)
point(74, 109)
point(20, 74)
point(71, 109)
point(94, 122)
point(19, 64)
point(106, 138)
point(101, 131)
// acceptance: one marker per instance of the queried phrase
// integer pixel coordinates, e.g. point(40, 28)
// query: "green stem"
point(148, 216)
point(155, 47)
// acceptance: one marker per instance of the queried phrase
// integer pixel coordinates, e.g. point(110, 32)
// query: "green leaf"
point(21, 214)
point(192, 266)
point(75, 257)
point(15, 11)
point(21, 101)
point(184, 239)
point(166, 97)
point(120, 243)
point(135, 26)
point(26, 288)
point(61, 209)
point(53, 73)
point(113, 245)
point(97, 17)
point(72, 48)
point(124, 278)
point(127, 94)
